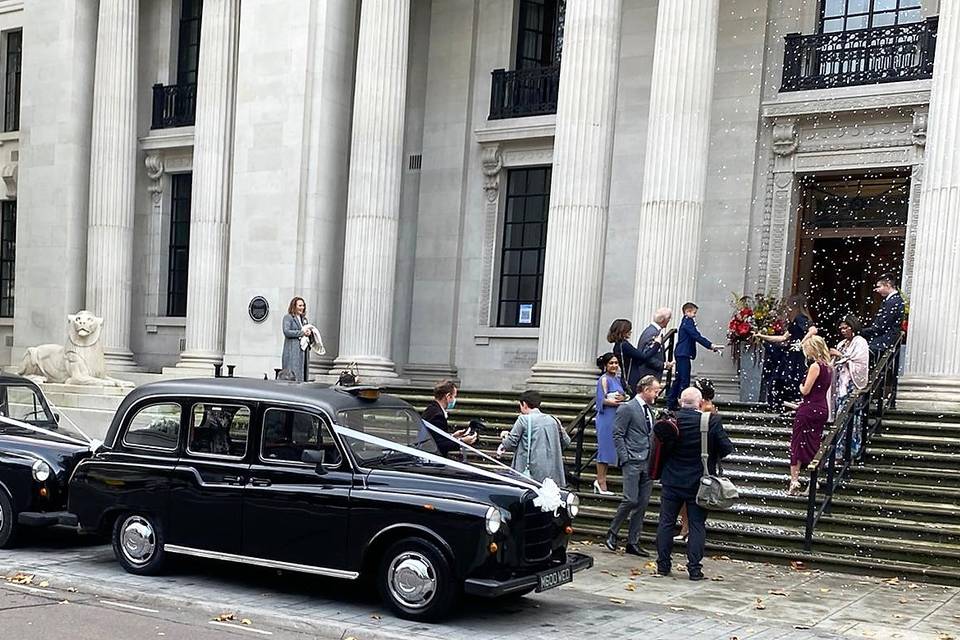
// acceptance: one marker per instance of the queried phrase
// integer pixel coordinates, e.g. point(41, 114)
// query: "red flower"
point(746, 312)
point(743, 329)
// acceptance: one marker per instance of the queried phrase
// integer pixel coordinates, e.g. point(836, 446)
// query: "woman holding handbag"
point(630, 358)
point(538, 441)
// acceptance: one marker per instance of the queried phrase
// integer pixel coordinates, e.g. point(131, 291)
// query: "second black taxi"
point(339, 482)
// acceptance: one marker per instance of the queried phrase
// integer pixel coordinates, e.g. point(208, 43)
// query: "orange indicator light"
point(429, 507)
point(568, 530)
point(43, 492)
point(493, 548)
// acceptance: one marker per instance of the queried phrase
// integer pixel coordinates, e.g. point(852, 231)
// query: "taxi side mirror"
point(314, 456)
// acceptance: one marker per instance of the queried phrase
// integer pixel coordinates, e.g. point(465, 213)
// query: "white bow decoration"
point(548, 496)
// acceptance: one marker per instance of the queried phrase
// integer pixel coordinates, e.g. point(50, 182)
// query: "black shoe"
point(634, 550)
point(663, 572)
point(696, 577)
point(611, 541)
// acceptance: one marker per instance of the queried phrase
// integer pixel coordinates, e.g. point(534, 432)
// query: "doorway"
point(852, 230)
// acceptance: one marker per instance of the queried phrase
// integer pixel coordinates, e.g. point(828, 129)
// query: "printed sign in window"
point(525, 315)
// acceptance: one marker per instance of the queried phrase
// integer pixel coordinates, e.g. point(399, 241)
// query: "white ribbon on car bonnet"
point(545, 497)
point(48, 432)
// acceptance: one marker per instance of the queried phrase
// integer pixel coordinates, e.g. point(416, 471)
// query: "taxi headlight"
point(41, 471)
point(493, 520)
point(573, 504)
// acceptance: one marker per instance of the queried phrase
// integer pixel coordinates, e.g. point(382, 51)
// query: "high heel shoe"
point(794, 488)
point(598, 490)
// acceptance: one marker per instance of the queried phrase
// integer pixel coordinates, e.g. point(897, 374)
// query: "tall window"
point(848, 15)
point(11, 112)
point(8, 256)
point(524, 247)
point(179, 244)
point(539, 29)
point(188, 51)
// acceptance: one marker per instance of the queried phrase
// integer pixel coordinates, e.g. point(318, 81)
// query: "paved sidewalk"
point(619, 597)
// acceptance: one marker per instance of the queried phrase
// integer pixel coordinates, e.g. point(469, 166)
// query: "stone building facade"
point(469, 188)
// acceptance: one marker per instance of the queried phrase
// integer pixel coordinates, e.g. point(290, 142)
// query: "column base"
point(560, 377)
point(928, 393)
point(121, 362)
point(429, 374)
point(371, 370)
point(196, 364)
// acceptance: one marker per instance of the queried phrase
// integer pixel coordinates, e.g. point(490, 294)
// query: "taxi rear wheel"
point(138, 544)
point(8, 522)
point(416, 580)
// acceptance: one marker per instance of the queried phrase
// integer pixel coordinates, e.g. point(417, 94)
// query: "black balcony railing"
point(174, 105)
point(864, 56)
point(524, 92)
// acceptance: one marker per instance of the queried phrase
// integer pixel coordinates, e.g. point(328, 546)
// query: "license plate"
point(555, 578)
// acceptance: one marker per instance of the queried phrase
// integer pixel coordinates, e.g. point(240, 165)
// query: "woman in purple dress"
point(814, 409)
point(609, 396)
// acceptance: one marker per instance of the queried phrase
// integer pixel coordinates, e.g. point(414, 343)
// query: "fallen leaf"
point(631, 586)
point(759, 604)
point(824, 590)
point(892, 581)
point(64, 602)
point(650, 565)
point(43, 584)
point(717, 578)
point(224, 617)
point(778, 592)
point(676, 608)
point(246, 621)
point(618, 601)
point(21, 578)
point(798, 565)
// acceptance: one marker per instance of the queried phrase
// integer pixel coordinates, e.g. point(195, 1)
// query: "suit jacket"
point(435, 415)
point(687, 338)
point(683, 466)
point(632, 433)
point(883, 331)
point(651, 353)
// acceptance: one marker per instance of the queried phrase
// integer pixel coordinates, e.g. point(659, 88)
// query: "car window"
point(156, 426)
point(398, 426)
point(219, 429)
point(288, 433)
point(24, 405)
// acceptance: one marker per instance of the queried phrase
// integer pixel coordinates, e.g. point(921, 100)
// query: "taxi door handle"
point(260, 482)
point(233, 480)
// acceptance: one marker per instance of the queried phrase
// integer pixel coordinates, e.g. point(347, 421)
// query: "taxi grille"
point(538, 533)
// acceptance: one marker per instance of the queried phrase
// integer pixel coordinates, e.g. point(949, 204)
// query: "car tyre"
point(8, 522)
point(416, 580)
point(138, 544)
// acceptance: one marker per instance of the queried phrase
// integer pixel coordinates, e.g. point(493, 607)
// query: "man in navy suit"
point(686, 352)
point(886, 326)
point(650, 345)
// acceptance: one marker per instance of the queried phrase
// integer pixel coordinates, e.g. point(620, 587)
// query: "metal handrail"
point(855, 413)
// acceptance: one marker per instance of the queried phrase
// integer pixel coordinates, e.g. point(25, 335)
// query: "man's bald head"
point(690, 398)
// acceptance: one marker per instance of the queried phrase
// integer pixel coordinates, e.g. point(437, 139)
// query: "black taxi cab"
point(333, 481)
point(37, 455)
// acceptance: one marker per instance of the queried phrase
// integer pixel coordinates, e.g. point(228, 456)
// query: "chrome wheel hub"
point(412, 579)
point(138, 541)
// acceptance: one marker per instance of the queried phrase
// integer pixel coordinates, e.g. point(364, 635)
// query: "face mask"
point(452, 404)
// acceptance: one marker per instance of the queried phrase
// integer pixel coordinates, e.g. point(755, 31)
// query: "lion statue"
point(79, 361)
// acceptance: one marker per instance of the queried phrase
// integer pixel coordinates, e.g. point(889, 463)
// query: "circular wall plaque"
point(259, 309)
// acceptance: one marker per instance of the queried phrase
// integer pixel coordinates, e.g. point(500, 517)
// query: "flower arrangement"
point(756, 314)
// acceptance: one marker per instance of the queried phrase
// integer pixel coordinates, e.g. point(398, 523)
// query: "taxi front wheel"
point(138, 544)
point(416, 580)
point(8, 522)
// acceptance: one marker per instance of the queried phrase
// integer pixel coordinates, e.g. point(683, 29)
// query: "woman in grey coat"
point(539, 441)
point(294, 358)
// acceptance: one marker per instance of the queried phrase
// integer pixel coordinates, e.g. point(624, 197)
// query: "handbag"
point(715, 491)
point(624, 370)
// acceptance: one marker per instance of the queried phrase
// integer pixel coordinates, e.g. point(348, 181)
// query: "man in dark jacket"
point(444, 399)
point(650, 345)
point(632, 436)
point(885, 328)
point(680, 480)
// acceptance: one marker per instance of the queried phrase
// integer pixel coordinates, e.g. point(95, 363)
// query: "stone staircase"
point(899, 514)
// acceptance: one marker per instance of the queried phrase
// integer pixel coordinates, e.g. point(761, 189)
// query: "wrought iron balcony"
point(174, 105)
point(524, 92)
point(863, 56)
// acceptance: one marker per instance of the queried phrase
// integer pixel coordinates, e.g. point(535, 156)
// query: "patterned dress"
point(812, 415)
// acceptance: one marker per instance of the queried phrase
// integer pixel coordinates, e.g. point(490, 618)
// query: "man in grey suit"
point(650, 344)
point(633, 437)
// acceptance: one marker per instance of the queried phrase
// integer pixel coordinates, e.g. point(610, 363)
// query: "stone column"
point(373, 196)
point(580, 194)
point(675, 162)
point(212, 164)
point(933, 367)
point(113, 167)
